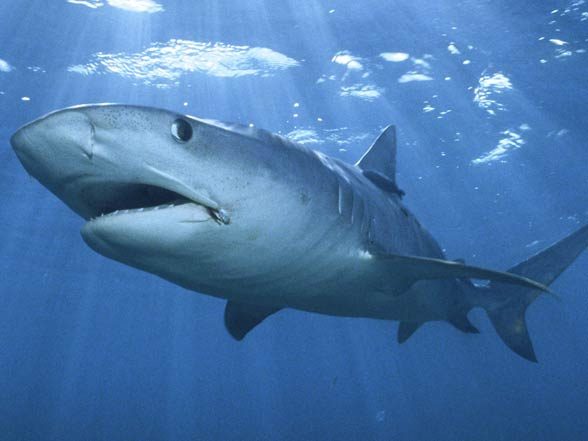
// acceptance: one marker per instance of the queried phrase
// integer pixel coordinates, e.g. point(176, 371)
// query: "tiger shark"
point(267, 224)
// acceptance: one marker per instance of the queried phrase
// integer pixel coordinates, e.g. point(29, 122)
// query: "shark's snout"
point(25, 147)
point(21, 144)
point(55, 146)
point(18, 140)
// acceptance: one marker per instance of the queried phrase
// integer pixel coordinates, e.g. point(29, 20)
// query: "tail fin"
point(506, 304)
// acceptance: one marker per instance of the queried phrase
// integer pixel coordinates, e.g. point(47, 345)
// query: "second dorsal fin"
point(379, 162)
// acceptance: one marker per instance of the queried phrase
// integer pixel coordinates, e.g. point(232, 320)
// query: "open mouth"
point(118, 199)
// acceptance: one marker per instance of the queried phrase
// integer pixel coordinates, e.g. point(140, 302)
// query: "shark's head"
point(159, 190)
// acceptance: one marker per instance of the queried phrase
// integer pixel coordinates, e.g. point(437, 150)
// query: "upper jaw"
point(92, 189)
point(58, 150)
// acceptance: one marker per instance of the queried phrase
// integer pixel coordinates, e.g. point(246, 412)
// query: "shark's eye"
point(181, 130)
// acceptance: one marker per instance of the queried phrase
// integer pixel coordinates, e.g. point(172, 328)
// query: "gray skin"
point(255, 219)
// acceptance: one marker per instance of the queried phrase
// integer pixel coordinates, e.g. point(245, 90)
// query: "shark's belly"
point(339, 286)
point(423, 302)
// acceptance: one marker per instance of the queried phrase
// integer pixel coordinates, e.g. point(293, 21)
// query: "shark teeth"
point(139, 210)
point(220, 215)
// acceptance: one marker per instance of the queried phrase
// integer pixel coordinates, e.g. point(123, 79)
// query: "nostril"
point(88, 147)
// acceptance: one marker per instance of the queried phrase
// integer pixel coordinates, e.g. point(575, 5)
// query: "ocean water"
point(489, 100)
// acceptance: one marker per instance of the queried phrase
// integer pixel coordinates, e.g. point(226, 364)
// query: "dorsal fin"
point(379, 162)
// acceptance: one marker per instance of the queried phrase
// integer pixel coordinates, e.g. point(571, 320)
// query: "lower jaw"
point(143, 238)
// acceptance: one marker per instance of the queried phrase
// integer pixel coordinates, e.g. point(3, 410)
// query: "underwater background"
point(489, 98)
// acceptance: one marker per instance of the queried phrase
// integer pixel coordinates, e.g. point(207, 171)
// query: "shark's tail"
point(506, 304)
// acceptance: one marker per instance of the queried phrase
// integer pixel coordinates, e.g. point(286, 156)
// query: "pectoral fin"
point(406, 329)
point(412, 269)
point(240, 318)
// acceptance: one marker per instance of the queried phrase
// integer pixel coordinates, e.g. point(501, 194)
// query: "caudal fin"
point(506, 304)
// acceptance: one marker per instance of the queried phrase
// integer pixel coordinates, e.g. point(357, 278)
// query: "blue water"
point(489, 99)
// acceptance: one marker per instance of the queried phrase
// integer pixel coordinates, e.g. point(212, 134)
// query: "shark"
point(248, 216)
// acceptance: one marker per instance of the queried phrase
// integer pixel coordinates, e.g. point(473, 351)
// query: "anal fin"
point(462, 323)
point(240, 318)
